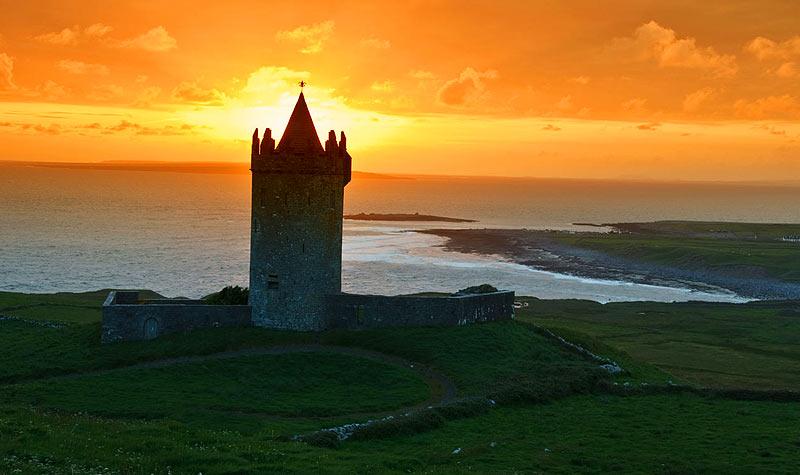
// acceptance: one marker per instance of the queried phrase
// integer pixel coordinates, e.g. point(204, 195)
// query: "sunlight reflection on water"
point(188, 234)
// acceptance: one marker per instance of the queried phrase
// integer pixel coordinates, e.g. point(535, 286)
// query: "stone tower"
point(296, 224)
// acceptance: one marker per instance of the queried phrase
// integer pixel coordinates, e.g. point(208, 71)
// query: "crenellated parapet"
point(333, 160)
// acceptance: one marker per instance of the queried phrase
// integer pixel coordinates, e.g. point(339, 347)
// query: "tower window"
point(361, 312)
point(272, 281)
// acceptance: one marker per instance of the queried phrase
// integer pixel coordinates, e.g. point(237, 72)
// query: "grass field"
point(70, 405)
point(284, 385)
point(750, 345)
point(734, 247)
point(650, 434)
point(63, 307)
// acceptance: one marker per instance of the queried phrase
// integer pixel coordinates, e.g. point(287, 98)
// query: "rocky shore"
point(542, 250)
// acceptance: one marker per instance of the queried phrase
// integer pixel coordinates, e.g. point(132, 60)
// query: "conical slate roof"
point(300, 135)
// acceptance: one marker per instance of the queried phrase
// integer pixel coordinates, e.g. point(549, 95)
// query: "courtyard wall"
point(126, 318)
point(352, 311)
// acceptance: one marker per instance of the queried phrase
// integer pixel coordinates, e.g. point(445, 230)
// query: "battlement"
point(332, 160)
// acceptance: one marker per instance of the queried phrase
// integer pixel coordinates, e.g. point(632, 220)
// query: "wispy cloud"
point(72, 36)
point(79, 67)
point(312, 37)
point(7, 73)
point(156, 40)
point(376, 43)
point(191, 92)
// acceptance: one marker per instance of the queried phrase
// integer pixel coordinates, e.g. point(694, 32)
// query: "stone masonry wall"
point(125, 318)
point(295, 249)
point(351, 311)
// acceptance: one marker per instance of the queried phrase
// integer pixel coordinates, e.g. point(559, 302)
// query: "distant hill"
point(405, 217)
point(222, 168)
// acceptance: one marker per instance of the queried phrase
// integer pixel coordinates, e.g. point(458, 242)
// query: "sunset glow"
point(631, 89)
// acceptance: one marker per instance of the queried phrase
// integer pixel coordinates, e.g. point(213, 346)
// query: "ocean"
point(187, 234)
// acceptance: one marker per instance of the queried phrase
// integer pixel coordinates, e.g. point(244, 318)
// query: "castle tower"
point(296, 224)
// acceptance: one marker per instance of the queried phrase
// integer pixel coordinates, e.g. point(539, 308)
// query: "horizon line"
point(238, 167)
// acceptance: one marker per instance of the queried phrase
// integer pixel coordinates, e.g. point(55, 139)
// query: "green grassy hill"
point(741, 248)
point(231, 400)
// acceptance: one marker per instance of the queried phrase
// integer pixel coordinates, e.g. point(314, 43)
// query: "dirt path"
point(441, 387)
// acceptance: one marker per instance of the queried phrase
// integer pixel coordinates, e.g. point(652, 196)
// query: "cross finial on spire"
point(302, 84)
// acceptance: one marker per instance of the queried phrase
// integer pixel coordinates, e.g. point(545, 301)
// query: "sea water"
point(187, 234)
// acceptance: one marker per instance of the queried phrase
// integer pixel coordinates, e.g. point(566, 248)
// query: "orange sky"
point(616, 89)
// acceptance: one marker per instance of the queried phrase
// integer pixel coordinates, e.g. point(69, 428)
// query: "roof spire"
point(300, 135)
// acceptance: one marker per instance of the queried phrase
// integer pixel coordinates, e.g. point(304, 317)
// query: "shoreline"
point(541, 251)
point(406, 217)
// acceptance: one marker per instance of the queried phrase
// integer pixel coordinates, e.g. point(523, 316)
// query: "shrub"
point(230, 295)
point(412, 423)
point(477, 289)
point(464, 408)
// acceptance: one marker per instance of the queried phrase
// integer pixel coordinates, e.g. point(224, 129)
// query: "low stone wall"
point(126, 318)
point(351, 311)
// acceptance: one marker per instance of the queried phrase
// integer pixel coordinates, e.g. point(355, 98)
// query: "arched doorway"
point(150, 328)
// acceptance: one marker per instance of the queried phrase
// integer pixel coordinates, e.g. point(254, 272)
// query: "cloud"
point(139, 129)
point(65, 37)
point(190, 91)
point(771, 107)
point(156, 40)
point(765, 48)
point(693, 101)
point(582, 80)
point(636, 104)
point(52, 129)
point(268, 83)
point(376, 43)
point(772, 130)
point(551, 127)
point(385, 86)
point(788, 70)
point(653, 42)
point(7, 73)
point(79, 67)
point(467, 88)
point(565, 103)
point(421, 75)
point(106, 92)
point(122, 127)
point(72, 36)
point(147, 96)
point(650, 126)
point(51, 90)
point(98, 30)
point(312, 37)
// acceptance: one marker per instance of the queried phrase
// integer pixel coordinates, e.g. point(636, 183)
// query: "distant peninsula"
point(405, 217)
point(754, 260)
